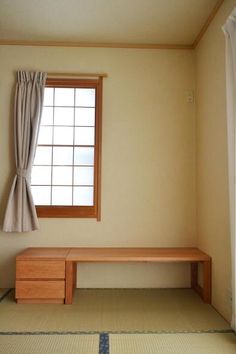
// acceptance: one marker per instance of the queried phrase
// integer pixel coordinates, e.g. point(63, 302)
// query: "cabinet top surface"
point(48, 253)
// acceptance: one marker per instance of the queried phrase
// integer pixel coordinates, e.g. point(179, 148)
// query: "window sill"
point(67, 212)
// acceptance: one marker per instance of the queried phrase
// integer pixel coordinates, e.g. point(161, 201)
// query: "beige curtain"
point(20, 213)
point(230, 36)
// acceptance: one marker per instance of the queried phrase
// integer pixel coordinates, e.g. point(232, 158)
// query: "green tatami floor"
point(112, 321)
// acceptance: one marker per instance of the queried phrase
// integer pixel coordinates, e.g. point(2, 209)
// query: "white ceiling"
point(107, 21)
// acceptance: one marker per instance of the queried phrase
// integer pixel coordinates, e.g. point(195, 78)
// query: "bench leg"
point(70, 282)
point(205, 291)
point(194, 275)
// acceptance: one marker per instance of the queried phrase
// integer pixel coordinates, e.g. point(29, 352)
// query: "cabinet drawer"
point(48, 289)
point(40, 269)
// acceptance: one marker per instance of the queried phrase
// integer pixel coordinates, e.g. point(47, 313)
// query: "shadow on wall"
point(8, 262)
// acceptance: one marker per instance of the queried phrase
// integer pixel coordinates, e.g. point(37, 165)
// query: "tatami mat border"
point(104, 334)
point(104, 343)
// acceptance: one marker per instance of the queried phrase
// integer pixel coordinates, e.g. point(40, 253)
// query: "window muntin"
point(65, 177)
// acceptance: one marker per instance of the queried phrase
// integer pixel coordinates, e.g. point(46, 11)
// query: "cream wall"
point(212, 178)
point(148, 161)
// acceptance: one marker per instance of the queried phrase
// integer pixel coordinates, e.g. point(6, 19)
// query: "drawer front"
point(40, 269)
point(48, 289)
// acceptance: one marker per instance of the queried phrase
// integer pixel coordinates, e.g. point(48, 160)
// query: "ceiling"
point(104, 21)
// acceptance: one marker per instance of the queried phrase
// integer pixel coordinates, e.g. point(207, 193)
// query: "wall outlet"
point(189, 95)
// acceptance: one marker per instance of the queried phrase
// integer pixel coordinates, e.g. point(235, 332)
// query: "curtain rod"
point(76, 75)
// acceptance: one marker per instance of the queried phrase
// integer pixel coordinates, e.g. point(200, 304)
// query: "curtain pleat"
point(20, 215)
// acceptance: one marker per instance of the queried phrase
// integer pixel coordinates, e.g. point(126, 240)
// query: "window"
point(65, 178)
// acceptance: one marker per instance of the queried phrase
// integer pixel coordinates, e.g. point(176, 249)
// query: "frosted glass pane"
point(61, 195)
point(63, 116)
point(48, 96)
point(84, 156)
point(64, 97)
point(43, 156)
point(62, 156)
point(47, 116)
point(41, 195)
point(84, 136)
point(45, 135)
point(83, 196)
point(63, 136)
point(85, 116)
point(62, 175)
point(85, 97)
point(83, 176)
point(41, 175)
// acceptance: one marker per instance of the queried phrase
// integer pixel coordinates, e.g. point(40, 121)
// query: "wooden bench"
point(49, 274)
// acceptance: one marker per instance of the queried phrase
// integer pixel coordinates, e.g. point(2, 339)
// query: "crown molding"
point(93, 45)
point(207, 23)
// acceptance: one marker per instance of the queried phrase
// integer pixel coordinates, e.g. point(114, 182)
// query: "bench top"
point(106, 254)
point(136, 255)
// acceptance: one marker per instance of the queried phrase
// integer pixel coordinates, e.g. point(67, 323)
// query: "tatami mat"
point(49, 344)
point(114, 310)
point(115, 321)
point(204, 343)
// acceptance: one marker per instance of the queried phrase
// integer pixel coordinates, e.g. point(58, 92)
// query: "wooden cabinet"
point(40, 275)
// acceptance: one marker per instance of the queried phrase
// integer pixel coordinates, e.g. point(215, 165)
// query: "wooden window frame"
point(54, 211)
